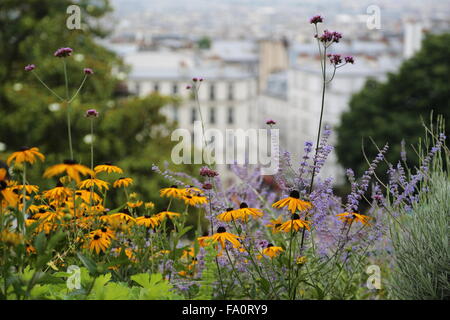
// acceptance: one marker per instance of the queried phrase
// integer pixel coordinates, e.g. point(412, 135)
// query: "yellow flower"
point(98, 242)
point(121, 217)
point(194, 200)
point(293, 203)
point(172, 192)
point(28, 188)
point(245, 212)
point(272, 251)
point(108, 168)
point(188, 253)
point(162, 215)
point(149, 205)
point(25, 154)
point(105, 232)
point(59, 193)
point(229, 215)
point(6, 193)
point(11, 238)
point(275, 224)
point(301, 260)
point(30, 249)
point(86, 196)
point(296, 223)
point(123, 182)
point(354, 216)
point(94, 182)
point(71, 168)
point(136, 204)
point(222, 235)
point(147, 221)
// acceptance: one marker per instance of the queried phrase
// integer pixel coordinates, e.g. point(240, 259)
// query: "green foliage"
point(206, 290)
point(392, 111)
point(421, 252)
point(150, 287)
point(204, 43)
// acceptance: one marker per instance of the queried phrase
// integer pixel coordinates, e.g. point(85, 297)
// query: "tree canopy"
point(395, 110)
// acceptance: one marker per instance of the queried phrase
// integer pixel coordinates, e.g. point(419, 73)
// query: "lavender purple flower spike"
point(30, 67)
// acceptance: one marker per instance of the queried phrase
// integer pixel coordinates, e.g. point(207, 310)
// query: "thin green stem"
point(69, 131)
point(45, 85)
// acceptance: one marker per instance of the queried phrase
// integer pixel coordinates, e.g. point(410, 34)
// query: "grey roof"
point(214, 73)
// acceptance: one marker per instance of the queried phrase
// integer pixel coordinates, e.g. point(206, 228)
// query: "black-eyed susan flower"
point(94, 182)
point(222, 235)
point(25, 154)
point(272, 251)
point(123, 182)
point(275, 224)
point(108, 167)
point(11, 238)
point(293, 203)
point(87, 196)
point(71, 168)
point(295, 223)
point(203, 240)
point(121, 216)
point(148, 221)
point(28, 188)
point(172, 192)
point(149, 205)
point(8, 195)
point(105, 232)
point(29, 248)
point(194, 200)
point(188, 253)
point(245, 212)
point(135, 204)
point(98, 242)
point(167, 214)
point(57, 193)
point(350, 217)
point(229, 215)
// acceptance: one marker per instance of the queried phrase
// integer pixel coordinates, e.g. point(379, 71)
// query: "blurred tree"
point(130, 132)
point(394, 110)
point(204, 43)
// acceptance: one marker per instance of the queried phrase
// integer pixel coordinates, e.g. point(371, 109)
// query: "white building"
point(293, 97)
point(227, 95)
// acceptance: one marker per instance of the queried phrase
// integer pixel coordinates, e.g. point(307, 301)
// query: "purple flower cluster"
point(270, 122)
point(88, 71)
point(30, 67)
point(207, 172)
point(91, 113)
point(329, 37)
point(63, 52)
point(316, 19)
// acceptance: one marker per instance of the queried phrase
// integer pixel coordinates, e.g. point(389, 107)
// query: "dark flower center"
point(107, 163)
point(24, 148)
point(103, 229)
point(278, 225)
point(69, 161)
point(146, 217)
point(41, 210)
point(269, 245)
point(96, 237)
point(59, 184)
point(295, 217)
point(294, 194)
point(174, 186)
point(353, 216)
point(3, 185)
point(229, 209)
point(221, 230)
point(243, 205)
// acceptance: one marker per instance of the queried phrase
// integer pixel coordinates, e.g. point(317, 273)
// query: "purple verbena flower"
point(88, 71)
point(316, 19)
point(63, 52)
point(91, 113)
point(30, 67)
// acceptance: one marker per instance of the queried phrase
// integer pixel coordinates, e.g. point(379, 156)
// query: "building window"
point(230, 115)
point(193, 114)
point(175, 89)
point(156, 87)
point(212, 92)
point(230, 91)
point(212, 115)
